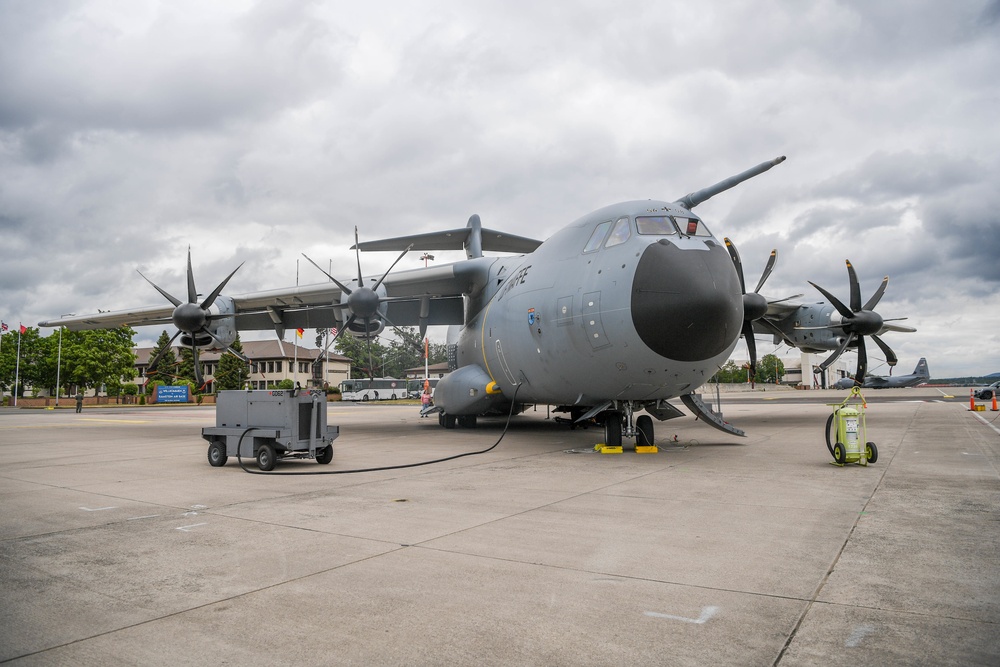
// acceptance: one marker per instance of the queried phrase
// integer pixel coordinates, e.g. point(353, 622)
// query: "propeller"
point(857, 322)
point(754, 305)
point(192, 317)
point(362, 302)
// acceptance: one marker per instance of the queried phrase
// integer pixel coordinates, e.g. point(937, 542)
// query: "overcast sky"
point(257, 131)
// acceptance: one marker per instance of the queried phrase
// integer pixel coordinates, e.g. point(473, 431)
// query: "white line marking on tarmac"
point(148, 516)
point(193, 525)
point(706, 613)
point(986, 422)
point(859, 633)
point(97, 509)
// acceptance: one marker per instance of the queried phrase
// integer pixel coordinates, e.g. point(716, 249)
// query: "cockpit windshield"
point(655, 225)
point(665, 225)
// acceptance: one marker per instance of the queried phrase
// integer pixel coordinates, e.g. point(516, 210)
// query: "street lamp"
point(427, 256)
point(59, 361)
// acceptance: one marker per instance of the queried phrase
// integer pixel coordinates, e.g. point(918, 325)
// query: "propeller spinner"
point(362, 302)
point(858, 321)
point(754, 305)
point(192, 318)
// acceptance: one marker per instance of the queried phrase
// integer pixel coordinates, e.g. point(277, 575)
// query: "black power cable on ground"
point(239, 447)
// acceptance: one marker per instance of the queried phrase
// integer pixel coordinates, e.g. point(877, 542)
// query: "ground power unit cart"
point(272, 425)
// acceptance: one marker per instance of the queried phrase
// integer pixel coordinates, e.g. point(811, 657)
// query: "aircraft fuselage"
point(633, 302)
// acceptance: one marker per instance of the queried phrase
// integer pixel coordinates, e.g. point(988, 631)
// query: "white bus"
point(379, 389)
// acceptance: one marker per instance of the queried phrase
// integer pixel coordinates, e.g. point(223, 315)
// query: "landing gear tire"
point(612, 429)
point(217, 456)
point(467, 421)
point(871, 452)
point(325, 455)
point(447, 421)
point(839, 454)
point(266, 458)
point(644, 431)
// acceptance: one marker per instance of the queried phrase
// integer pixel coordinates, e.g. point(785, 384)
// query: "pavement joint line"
point(833, 566)
point(179, 612)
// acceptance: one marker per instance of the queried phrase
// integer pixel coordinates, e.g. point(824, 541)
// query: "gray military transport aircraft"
point(920, 375)
point(616, 313)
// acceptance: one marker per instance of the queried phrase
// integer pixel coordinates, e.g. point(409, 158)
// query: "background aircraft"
point(616, 313)
point(920, 375)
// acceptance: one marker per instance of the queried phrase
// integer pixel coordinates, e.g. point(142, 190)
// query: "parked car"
point(987, 393)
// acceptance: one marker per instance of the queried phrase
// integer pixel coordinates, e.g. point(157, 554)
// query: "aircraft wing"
point(438, 290)
point(149, 315)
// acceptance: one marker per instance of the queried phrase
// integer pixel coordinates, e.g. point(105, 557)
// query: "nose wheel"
point(623, 423)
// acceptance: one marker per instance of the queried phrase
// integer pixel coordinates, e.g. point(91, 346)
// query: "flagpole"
point(17, 364)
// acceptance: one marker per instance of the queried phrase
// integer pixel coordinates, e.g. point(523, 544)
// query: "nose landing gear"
point(623, 423)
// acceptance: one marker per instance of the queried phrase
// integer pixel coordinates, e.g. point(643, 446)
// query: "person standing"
point(79, 401)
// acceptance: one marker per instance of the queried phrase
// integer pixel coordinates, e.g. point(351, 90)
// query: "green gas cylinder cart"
point(847, 433)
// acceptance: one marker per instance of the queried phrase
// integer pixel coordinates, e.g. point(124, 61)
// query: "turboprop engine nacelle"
point(222, 323)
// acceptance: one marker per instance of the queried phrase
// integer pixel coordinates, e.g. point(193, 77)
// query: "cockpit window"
point(692, 227)
point(655, 225)
point(620, 234)
point(597, 237)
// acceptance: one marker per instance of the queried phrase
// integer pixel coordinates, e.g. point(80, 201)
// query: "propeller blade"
point(336, 282)
point(227, 348)
point(375, 286)
point(787, 298)
point(192, 290)
point(198, 379)
point(855, 287)
point(890, 356)
point(872, 302)
point(839, 351)
point(207, 303)
point(859, 377)
point(172, 299)
point(844, 311)
point(340, 332)
point(751, 348)
point(357, 253)
point(767, 270)
point(371, 364)
point(163, 351)
point(731, 247)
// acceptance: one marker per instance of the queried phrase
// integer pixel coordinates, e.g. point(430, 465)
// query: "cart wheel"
point(871, 452)
point(325, 455)
point(467, 421)
point(839, 454)
point(265, 457)
point(217, 456)
point(644, 431)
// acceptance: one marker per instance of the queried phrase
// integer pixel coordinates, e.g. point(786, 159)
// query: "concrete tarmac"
point(120, 545)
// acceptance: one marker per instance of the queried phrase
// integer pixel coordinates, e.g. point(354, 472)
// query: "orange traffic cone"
point(994, 402)
point(972, 401)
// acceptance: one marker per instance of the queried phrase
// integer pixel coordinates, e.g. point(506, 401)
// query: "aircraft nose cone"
point(686, 304)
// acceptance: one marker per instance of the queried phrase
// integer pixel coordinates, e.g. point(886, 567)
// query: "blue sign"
point(166, 394)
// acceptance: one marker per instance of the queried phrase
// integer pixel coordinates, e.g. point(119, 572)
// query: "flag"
point(299, 332)
point(24, 329)
point(3, 326)
point(334, 331)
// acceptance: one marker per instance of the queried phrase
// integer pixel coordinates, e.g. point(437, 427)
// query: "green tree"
point(232, 372)
point(185, 368)
point(770, 369)
point(98, 357)
point(167, 366)
point(34, 367)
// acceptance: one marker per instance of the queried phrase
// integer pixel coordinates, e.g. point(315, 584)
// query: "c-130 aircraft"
point(615, 314)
